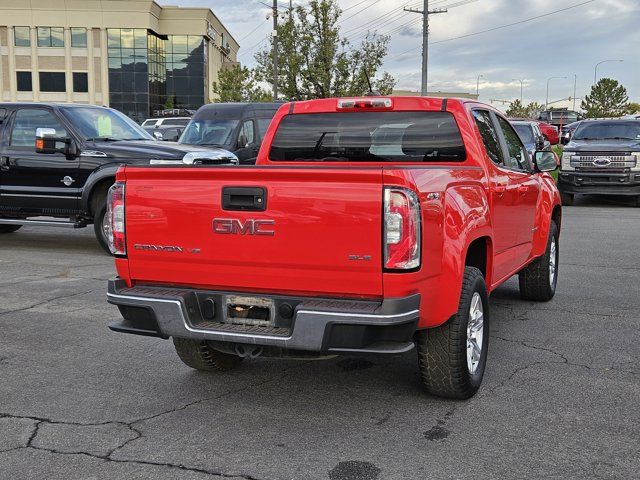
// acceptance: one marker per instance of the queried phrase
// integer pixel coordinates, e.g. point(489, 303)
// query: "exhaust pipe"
point(248, 351)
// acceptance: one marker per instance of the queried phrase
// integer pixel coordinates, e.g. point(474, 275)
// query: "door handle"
point(244, 199)
point(4, 163)
point(523, 189)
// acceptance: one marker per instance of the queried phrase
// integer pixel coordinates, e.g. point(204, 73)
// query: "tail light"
point(364, 103)
point(115, 220)
point(401, 229)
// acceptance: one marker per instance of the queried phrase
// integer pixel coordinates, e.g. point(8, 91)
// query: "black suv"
point(237, 127)
point(603, 157)
point(59, 160)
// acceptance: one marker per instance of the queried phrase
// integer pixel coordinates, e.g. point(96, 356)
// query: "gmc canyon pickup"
point(58, 160)
point(368, 225)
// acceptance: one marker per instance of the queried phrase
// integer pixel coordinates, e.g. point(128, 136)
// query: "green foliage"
point(238, 84)
point(316, 62)
point(633, 107)
point(169, 103)
point(607, 99)
point(518, 110)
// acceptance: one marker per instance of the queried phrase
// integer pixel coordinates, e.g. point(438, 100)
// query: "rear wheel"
point(566, 199)
point(538, 279)
point(198, 354)
point(9, 228)
point(101, 224)
point(452, 357)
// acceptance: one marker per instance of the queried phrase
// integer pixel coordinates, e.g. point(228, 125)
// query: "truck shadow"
point(606, 201)
point(52, 241)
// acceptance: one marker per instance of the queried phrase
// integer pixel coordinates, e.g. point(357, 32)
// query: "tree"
point(633, 107)
point(238, 84)
point(607, 99)
point(518, 110)
point(316, 62)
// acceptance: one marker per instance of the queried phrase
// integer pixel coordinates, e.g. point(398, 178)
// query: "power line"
point(503, 26)
point(262, 24)
point(358, 13)
point(354, 6)
point(392, 15)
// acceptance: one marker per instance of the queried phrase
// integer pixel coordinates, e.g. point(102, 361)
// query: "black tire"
point(535, 279)
point(566, 199)
point(98, 217)
point(198, 354)
point(442, 351)
point(9, 228)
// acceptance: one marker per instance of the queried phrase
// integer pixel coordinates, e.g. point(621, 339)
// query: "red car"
point(549, 131)
point(368, 225)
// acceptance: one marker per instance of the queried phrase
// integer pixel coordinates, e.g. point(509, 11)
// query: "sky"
point(564, 44)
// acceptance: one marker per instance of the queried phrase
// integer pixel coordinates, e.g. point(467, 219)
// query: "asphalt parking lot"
point(559, 399)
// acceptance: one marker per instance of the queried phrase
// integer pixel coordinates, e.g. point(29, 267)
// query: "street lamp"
point(478, 85)
point(521, 83)
point(546, 104)
point(595, 70)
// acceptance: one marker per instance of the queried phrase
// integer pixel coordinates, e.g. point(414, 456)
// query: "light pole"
point(595, 70)
point(478, 86)
point(521, 84)
point(546, 103)
point(575, 84)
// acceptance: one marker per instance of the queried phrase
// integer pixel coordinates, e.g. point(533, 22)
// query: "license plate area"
point(258, 311)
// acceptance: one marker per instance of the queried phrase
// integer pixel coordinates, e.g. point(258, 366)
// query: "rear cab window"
point(391, 136)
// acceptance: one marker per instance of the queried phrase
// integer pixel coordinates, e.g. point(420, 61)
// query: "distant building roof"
point(411, 93)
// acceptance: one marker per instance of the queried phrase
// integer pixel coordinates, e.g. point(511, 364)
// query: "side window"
point(517, 153)
point(27, 121)
point(247, 131)
point(489, 135)
point(263, 125)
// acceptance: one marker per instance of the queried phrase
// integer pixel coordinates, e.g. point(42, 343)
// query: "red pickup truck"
point(368, 225)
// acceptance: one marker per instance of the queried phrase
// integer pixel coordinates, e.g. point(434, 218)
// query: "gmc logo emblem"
point(233, 226)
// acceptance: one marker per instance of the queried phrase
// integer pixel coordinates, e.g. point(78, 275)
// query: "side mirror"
point(546, 161)
point(158, 136)
point(48, 143)
point(242, 141)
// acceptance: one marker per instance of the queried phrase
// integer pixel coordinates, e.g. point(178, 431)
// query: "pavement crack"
point(39, 304)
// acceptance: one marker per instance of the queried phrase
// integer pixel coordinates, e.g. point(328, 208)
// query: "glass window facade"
point(21, 35)
point(79, 37)
point(24, 81)
point(128, 71)
point(52, 82)
point(50, 37)
point(80, 82)
point(148, 72)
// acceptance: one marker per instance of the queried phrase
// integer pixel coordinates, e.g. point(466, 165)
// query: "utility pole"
point(425, 12)
point(575, 84)
point(478, 86)
point(275, 49)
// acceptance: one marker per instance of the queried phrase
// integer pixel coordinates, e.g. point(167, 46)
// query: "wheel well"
point(98, 192)
point(556, 216)
point(477, 255)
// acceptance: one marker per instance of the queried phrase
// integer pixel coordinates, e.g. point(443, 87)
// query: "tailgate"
point(320, 232)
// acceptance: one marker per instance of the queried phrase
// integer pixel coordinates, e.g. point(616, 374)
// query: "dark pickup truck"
point(57, 162)
point(602, 158)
